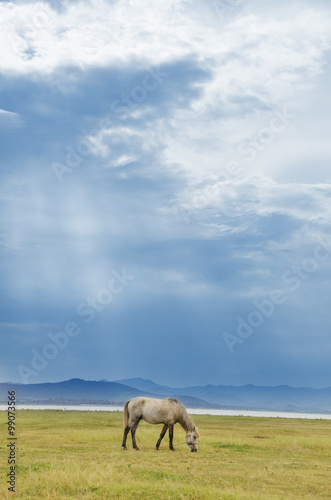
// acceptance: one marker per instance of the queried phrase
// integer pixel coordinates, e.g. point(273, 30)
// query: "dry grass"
point(77, 455)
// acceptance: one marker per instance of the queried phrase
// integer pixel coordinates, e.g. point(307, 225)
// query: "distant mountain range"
point(248, 397)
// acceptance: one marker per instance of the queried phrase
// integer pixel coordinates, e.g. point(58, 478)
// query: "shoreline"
point(193, 411)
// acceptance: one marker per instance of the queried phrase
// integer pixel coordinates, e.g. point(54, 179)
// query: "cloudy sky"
point(165, 191)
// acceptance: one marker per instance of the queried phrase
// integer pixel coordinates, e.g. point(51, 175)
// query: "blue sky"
point(165, 191)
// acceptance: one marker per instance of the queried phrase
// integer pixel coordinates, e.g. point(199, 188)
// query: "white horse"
point(159, 411)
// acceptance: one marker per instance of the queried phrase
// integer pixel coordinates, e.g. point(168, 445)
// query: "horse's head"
point(192, 439)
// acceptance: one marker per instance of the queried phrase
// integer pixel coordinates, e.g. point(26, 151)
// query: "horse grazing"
point(159, 411)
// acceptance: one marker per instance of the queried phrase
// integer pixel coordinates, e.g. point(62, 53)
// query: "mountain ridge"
point(248, 397)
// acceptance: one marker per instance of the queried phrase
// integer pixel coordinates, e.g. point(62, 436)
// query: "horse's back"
point(154, 411)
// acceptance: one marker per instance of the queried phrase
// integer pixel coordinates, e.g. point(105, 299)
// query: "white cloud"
point(217, 209)
point(256, 62)
point(101, 33)
point(8, 119)
point(123, 160)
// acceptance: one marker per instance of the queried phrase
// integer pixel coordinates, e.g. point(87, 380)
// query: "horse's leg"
point(126, 432)
point(171, 437)
point(133, 433)
point(164, 430)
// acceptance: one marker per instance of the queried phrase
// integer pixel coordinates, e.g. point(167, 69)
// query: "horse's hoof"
point(124, 448)
point(137, 449)
point(172, 449)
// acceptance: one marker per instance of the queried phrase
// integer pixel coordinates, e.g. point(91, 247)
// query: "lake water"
point(192, 411)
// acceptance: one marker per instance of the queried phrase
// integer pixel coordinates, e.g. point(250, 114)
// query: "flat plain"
point(78, 455)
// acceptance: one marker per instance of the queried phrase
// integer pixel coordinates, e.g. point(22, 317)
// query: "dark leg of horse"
point(126, 432)
point(164, 430)
point(171, 437)
point(133, 434)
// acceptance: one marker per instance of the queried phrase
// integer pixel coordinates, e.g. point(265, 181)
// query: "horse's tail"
point(126, 414)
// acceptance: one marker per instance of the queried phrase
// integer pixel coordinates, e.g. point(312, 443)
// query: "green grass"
point(78, 455)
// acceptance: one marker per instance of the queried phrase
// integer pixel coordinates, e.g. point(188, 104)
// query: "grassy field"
point(74, 455)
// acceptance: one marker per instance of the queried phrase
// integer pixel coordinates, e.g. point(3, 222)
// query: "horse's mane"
point(185, 420)
point(175, 400)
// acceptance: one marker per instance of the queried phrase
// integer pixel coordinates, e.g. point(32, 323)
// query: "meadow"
point(78, 455)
